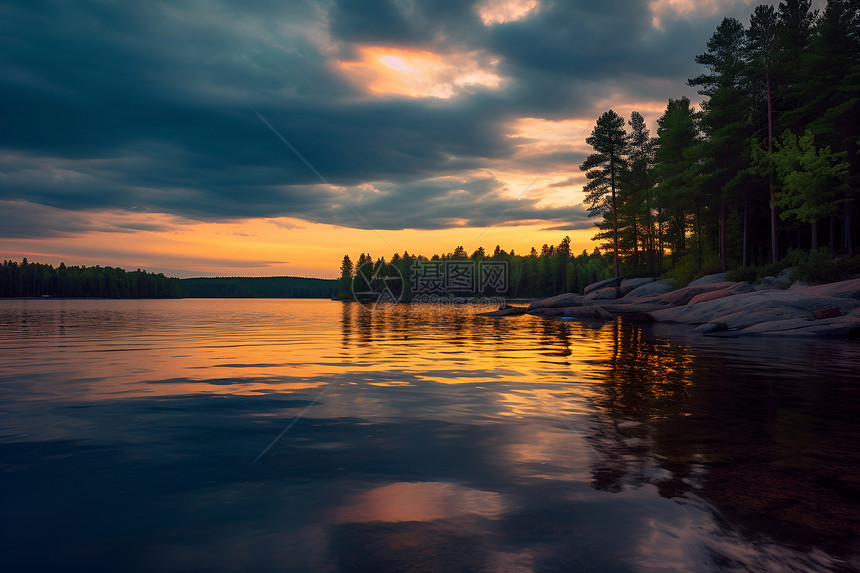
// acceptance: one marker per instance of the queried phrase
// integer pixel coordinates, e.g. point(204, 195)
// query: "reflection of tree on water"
point(773, 446)
point(361, 327)
point(646, 382)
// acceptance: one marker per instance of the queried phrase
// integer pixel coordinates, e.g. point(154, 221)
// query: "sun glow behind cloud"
point(503, 11)
point(420, 73)
point(559, 146)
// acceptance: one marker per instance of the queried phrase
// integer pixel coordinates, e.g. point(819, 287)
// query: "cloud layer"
point(388, 114)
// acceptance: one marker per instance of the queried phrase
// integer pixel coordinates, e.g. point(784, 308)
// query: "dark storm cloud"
point(405, 23)
point(149, 106)
point(599, 40)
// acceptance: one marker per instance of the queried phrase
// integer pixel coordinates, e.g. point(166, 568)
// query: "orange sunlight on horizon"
point(268, 247)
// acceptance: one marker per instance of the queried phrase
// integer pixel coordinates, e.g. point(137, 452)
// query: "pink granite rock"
point(608, 293)
point(843, 289)
point(684, 295)
point(713, 295)
point(831, 312)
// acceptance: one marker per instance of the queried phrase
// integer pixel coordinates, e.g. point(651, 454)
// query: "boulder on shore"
point(629, 285)
point(716, 307)
point(684, 295)
point(767, 312)
point(712, 295)
point(606, 293)
point(709, 279)
point(843, 289)
point(843, 326)
point(647, 290)
point(613, 282)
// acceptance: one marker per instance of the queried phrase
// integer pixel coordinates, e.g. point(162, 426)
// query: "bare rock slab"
point(629, 285)
point(613, 282)
point(566, 299)
point(607, 293)
point(709, 279)
point(843, 289)
point(684, 295)
point(647, 290)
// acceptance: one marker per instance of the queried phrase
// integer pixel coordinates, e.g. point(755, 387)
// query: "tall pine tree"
point(604, 169)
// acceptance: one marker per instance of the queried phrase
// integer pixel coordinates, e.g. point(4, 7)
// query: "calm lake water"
point(302, 435)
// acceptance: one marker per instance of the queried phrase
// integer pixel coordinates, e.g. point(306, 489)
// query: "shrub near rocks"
point(815, 267)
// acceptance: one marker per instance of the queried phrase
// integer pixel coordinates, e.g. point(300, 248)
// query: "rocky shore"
point(713, 306)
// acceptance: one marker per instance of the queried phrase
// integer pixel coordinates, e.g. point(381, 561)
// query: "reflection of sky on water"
point(432, 440)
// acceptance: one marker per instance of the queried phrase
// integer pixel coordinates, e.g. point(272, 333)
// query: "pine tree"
point(604, 170)
point(830, 99)
point(638, 189)
point(346, 273)
point(677, 136)
point(725, 119)
point(760, 55)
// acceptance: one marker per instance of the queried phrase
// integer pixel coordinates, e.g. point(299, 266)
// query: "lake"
point(308, 435)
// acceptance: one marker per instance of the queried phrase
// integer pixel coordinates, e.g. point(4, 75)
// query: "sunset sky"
point(271, 137)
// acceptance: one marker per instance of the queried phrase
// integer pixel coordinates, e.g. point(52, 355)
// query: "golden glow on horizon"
point(503, 11)
point(419, 73)
point(264, 247)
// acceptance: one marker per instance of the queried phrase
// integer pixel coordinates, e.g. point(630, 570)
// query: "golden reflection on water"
point(105, 349)
point(583, 410)
point(419, 501)
point(429, 340)
point(642, 374)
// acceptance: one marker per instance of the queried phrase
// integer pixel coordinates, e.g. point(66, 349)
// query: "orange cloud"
point(419, 73)
point(560, 180)
point(502, 11)
point(543, 136)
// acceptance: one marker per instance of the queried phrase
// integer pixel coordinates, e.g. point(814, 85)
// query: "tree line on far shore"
point(26, 279)
point(770, 163)
point(38, 280)
point(258, 287)
point(551, 270)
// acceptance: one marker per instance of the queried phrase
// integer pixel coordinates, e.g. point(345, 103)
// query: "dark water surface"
point(134, 436)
